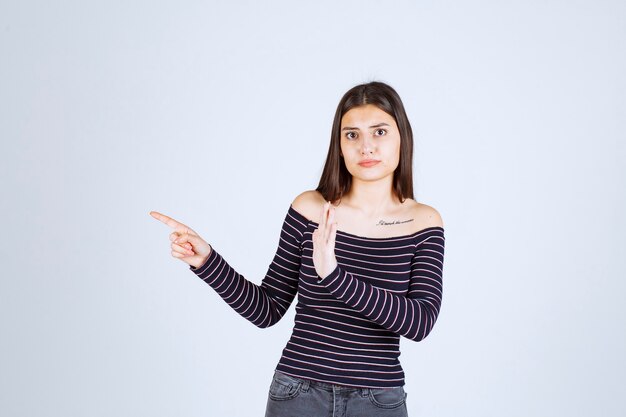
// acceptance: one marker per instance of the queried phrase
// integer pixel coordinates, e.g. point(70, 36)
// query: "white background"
point(219, 114)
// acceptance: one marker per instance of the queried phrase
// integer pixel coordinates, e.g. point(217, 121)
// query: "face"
point(369, 133)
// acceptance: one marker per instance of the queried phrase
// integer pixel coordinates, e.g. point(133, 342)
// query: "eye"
point(381, 130)
point(351, 137)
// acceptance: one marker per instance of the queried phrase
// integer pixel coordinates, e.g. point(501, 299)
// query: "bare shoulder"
point(426, 216)
point(308, 204)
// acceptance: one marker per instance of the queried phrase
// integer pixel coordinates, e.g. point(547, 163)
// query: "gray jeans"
point(295, 397)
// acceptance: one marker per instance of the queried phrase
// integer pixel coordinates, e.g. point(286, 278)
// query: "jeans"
point(294, 397)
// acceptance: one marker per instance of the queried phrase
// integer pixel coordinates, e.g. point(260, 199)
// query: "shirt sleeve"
point(412, 316)
point(264, 304)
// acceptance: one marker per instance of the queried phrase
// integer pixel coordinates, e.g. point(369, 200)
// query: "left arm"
point(412, 316)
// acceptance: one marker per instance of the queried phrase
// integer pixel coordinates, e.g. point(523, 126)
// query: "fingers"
point(332, 227)
point(181, 246)
point(183, 238)
point(190, 241)
point(166, 219)
point(174, 236)
point(171, 222)
point(180, 252)
point(322, 221)
point(332, 234)
point(327, 227)
point(329, 222)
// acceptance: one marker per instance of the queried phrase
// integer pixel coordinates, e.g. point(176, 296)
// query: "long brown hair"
point(336, 180)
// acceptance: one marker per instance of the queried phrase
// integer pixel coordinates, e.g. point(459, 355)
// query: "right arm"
point(263, 304)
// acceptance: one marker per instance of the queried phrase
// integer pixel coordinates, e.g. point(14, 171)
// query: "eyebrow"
point(371, 127)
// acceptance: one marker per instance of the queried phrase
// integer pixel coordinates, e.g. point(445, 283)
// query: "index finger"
point(167, 220)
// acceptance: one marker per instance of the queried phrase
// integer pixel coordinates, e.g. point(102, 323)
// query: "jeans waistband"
point(306, 383)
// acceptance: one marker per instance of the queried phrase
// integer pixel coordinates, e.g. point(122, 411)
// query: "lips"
point(368, 162)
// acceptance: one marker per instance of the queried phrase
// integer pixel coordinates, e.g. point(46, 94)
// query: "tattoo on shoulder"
point(384, 223)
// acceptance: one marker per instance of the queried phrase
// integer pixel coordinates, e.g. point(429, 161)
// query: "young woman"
point(365, 259)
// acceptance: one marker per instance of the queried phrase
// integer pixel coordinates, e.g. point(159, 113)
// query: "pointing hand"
point(186, 244)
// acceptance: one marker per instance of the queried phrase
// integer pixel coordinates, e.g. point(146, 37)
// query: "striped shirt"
point(347, 325)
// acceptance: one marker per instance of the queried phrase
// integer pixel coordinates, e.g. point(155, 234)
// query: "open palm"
point(324, 258)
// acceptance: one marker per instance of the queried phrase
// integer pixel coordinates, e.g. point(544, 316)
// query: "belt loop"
point(305, 385)
point(364, 392)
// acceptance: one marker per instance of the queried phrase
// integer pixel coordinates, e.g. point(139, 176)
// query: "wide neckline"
point(411, 235)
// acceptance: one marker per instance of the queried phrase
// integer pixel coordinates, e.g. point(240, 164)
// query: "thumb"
point(187, 237)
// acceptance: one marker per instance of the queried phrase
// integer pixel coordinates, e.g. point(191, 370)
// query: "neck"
point(371, 197)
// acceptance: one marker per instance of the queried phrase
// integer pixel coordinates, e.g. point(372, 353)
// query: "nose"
point(367, 145)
